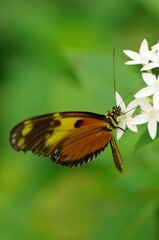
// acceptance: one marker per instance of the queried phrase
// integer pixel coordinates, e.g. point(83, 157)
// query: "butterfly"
point(70, 139)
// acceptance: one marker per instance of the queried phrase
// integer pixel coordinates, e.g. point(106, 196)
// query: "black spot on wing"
point(78, 123)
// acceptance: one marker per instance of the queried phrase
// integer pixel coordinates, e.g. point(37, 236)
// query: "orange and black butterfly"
point(69, 138)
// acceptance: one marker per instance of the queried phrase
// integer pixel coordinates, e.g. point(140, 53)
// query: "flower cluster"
point(147, 99)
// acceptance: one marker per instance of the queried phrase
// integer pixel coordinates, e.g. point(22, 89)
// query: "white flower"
point(153, 56)
point(141, 57)
point(126, 117)
point(148, 58)
point(152, 89)
point(154, 61)
point(149, 115)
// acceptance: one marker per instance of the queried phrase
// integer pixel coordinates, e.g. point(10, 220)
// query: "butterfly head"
point(116, 111)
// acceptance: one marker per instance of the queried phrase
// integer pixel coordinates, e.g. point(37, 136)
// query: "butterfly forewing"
point(68, 138)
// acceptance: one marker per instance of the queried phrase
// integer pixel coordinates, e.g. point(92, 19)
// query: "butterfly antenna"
point(133, 90)
point(114, 82)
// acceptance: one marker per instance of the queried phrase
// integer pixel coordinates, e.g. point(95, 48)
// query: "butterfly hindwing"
point(81, 147)
point(68, 138)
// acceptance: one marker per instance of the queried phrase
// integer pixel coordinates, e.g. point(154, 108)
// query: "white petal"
point(133, 55)
point(141, 57)
point(132, 62)
point(144, 104)
point(149, 78)
point(155, 48)
point(132, 106)
point(144, 46)
point(145, 92)
point(122, 124)
point(120, 102)
point(132, 127)
point(140, 119)
point(156, 100)
point(149, 66)
point(152, 128)
point(119, 133)
point(153, 56)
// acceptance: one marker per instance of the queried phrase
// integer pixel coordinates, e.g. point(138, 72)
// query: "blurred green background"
point(57, 56)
